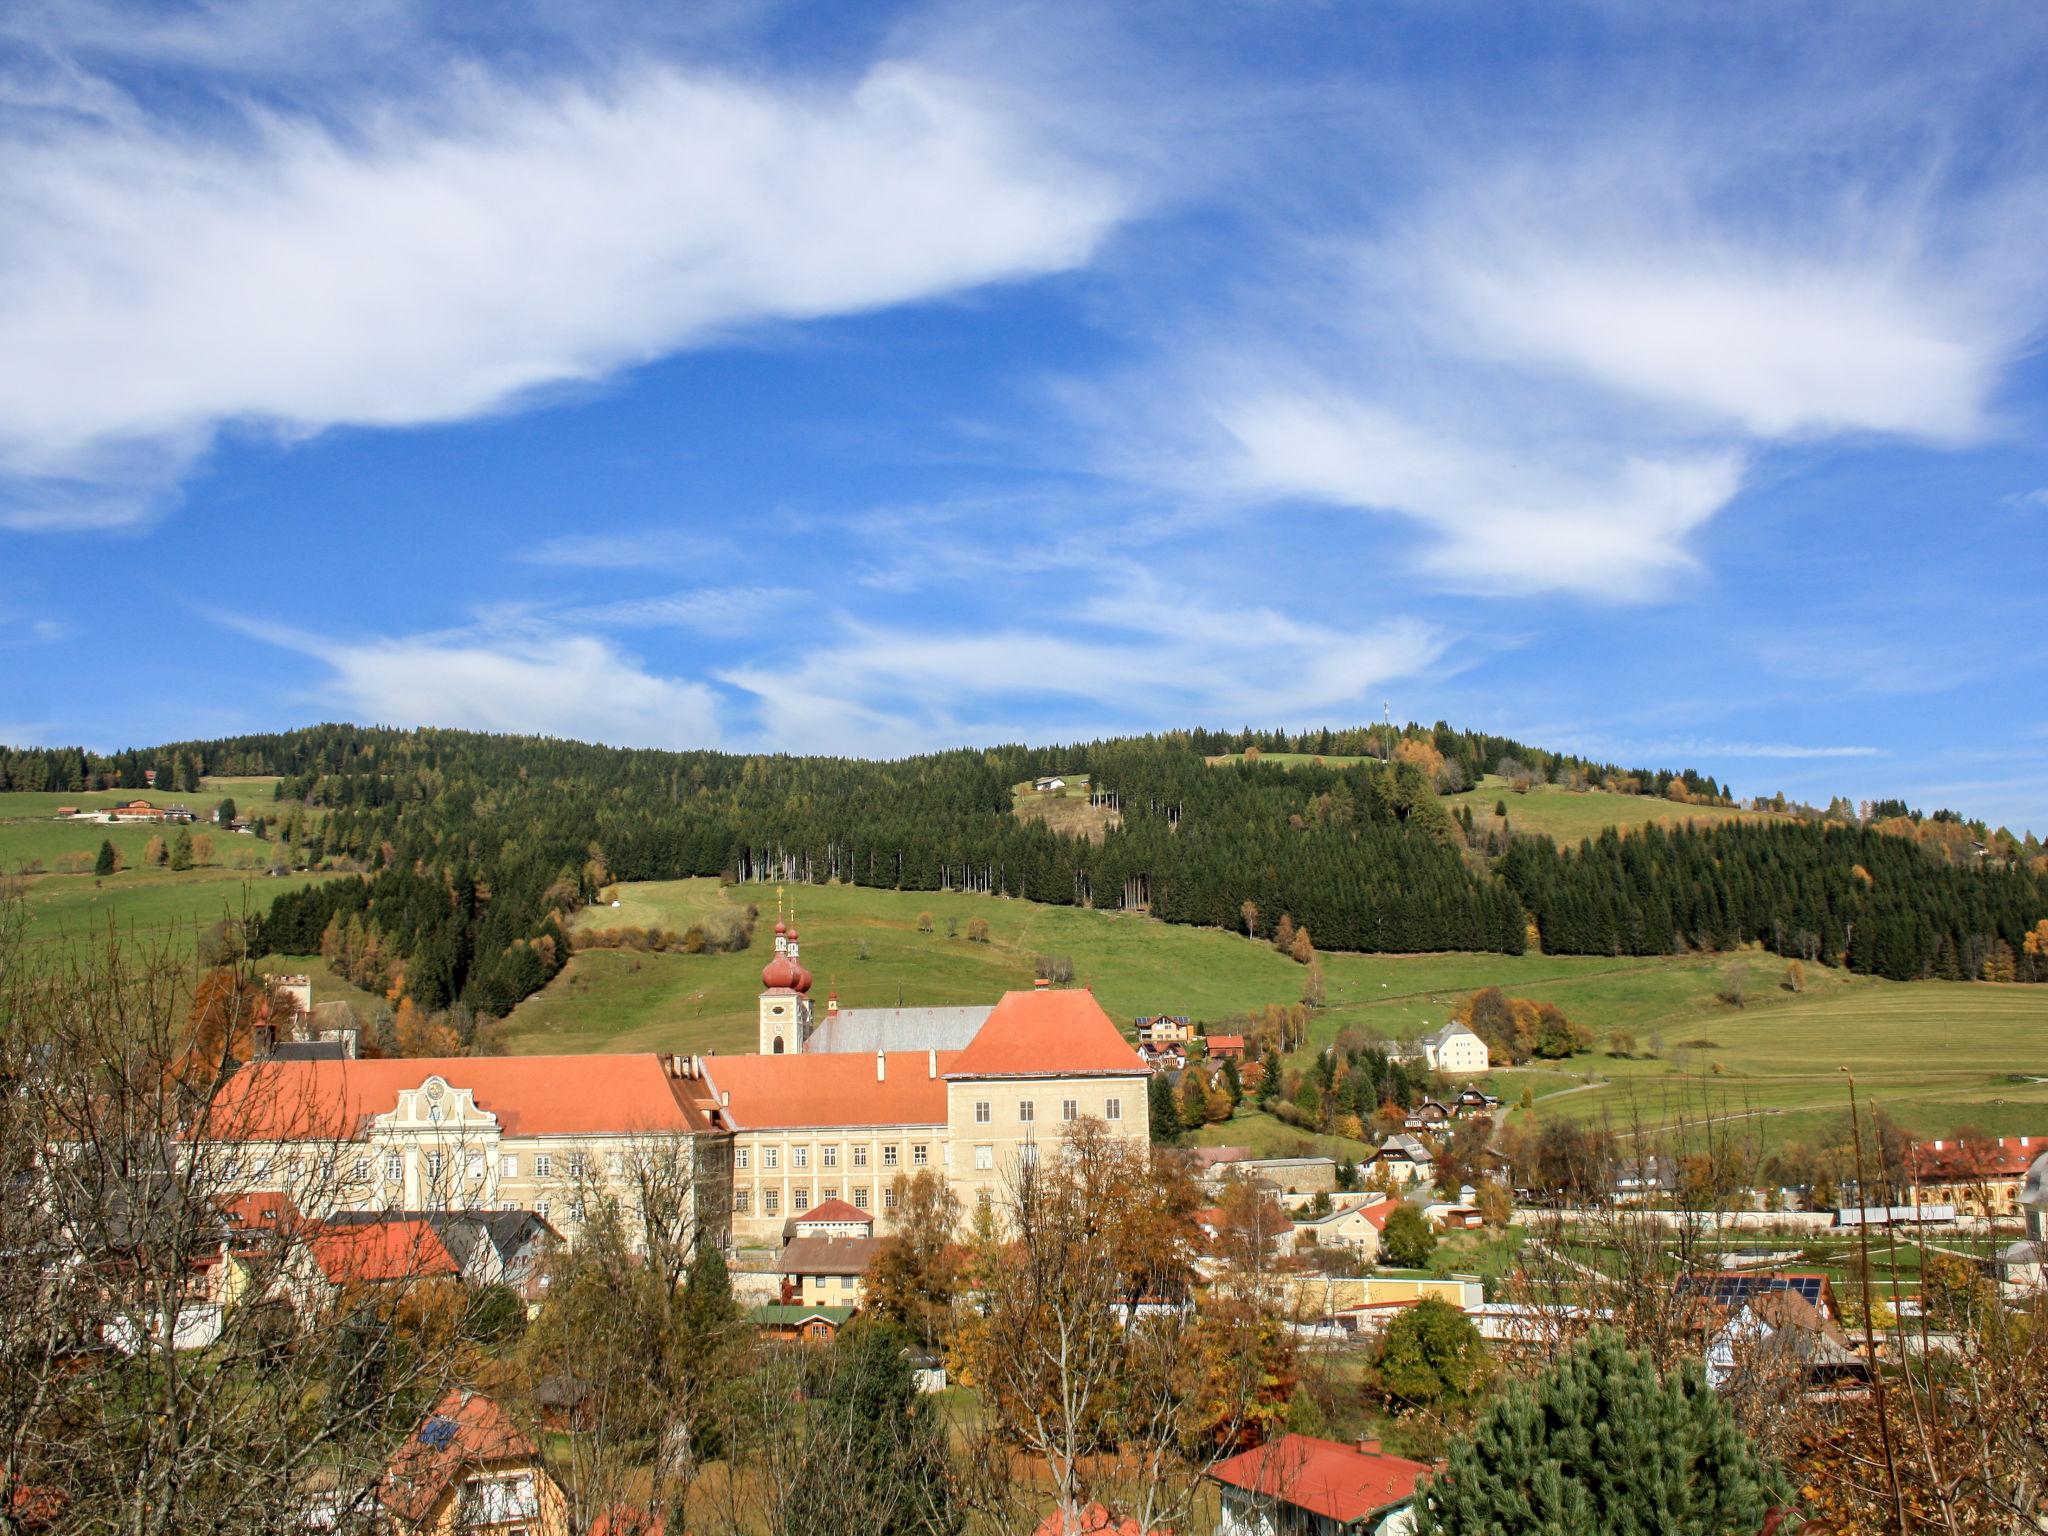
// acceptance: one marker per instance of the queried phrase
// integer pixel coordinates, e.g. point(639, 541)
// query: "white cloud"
point(576, 686)
point(1691, 751)
point(1844, 323)
point(1135, 660)
point(1612, 525)
point(425, 263)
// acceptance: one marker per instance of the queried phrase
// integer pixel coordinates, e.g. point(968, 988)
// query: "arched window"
point(778, 1045)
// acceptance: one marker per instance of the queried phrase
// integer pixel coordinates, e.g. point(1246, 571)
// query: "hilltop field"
point(1937, 1055)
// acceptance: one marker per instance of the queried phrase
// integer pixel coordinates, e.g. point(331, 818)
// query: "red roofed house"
point(1093, 1520)
point(1299, 1483)
point(1225, 1047)
point(1979, 1178)
point(371, 1253)
point(468, 1468)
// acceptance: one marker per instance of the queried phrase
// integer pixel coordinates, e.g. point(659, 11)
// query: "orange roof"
point(531, 1095)
point(258, 1211)
point(370, 1252)
point(1048, 1033)
point(1340, 1482)
point(831, 1088)
point(1096, 1521)
point(465, 1430)
point(835, 1210)
point(1225, 1042)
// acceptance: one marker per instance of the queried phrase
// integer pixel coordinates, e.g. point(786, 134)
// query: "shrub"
point(977, 931)
point(924, 922)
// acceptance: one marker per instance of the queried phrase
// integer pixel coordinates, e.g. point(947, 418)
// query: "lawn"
point(1570, 815)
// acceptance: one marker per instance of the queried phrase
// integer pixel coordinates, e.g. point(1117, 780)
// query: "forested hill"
point(476, 848)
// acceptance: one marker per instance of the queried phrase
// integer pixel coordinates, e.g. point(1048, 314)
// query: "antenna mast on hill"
point(1387, 714)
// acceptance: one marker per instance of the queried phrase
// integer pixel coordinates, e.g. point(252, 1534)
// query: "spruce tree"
point(1162, 1110)
point(1601, 1442)
point(181, 850)
point(107, 861)
point(878, 1448)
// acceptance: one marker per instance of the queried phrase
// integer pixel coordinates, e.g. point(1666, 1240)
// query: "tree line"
point(475, 850)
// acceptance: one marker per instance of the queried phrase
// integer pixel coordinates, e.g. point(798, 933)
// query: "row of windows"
point(1027, 1110)
point(800, 1199)
point(574, 1165)
point(800, 1157)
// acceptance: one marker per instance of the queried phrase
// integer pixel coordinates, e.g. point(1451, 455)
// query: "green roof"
point(783, 1312)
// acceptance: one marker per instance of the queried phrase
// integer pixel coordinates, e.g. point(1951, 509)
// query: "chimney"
point(1369, 1446)
point(1937, 1144)
point(931, 1061)
point(725, 1098)
point(1040, 985)
point(832, 1005)
point(881, 1067)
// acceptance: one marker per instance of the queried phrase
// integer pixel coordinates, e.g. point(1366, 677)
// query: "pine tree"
point(881, 1462)
point(181, 850)
point(108, 861)
point(1601, 1442)
point(1163, 1111)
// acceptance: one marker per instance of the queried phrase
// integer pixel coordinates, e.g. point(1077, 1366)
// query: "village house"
point(469, 1469)
point(1356, 1226)
point(1779, 1335)
point(796, 1323)
point(1406, 1157)
point(1978, 1178)
point(1225, 1047)
point(826, 1271)
point(1165, 1029)
point(1455, 1051)
point(2025, 1263)
point(1299, 1485)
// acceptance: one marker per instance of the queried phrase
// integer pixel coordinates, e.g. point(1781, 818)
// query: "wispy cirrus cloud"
point(433, 258)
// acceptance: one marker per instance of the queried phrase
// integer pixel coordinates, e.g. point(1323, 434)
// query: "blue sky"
point(1660, 382)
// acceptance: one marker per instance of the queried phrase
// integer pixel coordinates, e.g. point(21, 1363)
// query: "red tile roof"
point(373, 1252)
point(835, 1210)
point(265, 1210)
point(530, 1095)
point(831, 1088)
point(465, 1430)
point(1220, 1044)
point(1324, 1477)
point(1096, 1521)
point(1048, 1032)
point(2007, 1157)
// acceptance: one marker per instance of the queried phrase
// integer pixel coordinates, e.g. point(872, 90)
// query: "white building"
point(1455, 1051)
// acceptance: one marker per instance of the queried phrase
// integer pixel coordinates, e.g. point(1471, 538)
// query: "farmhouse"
point(469, 1467)
point(1454, 1049)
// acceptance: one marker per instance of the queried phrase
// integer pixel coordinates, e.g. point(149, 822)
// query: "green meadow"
point(1571, 815)
point(1938, 1054)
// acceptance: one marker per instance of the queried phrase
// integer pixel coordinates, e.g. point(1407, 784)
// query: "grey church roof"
point(898, 1029)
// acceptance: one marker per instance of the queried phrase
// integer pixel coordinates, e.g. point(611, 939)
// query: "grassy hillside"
point(1778, 1053)
point(1568, 815)
point(151, 905)
point(1935, 1054)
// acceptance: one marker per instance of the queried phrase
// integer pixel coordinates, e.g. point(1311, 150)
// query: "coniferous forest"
point(475, 849)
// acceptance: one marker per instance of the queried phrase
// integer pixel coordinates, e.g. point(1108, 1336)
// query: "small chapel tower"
point(785, 994)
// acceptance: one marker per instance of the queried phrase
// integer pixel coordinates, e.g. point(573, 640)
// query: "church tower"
point(785, 996)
